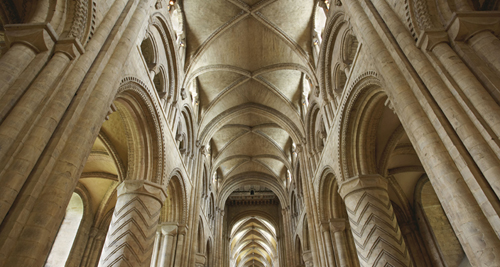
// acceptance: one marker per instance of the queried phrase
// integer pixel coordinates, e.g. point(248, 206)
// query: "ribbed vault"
point(249, 69)
point(253, 242)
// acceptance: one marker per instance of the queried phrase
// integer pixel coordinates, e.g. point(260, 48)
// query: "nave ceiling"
point(249, 69)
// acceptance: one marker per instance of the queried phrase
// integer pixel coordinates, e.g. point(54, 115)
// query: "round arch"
point(359, 117)
point(251, 178)
point(175, 206)
point(144, 131)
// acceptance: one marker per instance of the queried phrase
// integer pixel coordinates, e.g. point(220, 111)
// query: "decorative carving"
point(373, 223)
point(133, 225)
point(79, 19)
point(139, 87)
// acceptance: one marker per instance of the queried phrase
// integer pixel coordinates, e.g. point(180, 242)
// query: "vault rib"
point(287, 39)
point(260, 156)
point(214, 68)
point(204, 46)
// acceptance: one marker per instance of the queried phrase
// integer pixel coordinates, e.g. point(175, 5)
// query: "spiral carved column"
point(373, 223)
point(133, 227)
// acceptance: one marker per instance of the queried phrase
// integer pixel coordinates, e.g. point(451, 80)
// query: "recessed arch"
point(363, 102)
point(175, 206)
point(144, 131)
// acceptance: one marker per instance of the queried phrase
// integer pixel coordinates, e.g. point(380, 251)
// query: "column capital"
point(169, 228)
point(362, 182)
point(70, 47)
point(38, 36)
point(324, 226)
point(428, 39)
point(464, 25)
point(337, 225)
point(142, 187)
point(183, 228)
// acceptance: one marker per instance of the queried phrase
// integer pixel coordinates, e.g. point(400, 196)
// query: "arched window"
point(67, 232)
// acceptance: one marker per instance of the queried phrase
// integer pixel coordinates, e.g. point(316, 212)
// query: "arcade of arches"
point(249, 133)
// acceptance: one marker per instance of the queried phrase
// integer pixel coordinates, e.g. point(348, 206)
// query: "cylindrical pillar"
point(167, 241)
point(417, 250)
point(337, 230)
point(38, 93)
point(376, 232)
point(487, 46)
point(51, 184)
point(425, 128)
point(133, 226)
point(96, 250)
point(325, 230)
point(179, 253)
point(26, 41)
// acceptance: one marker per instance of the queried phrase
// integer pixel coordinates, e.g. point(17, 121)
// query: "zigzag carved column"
point(373, 223)
point(133, 227)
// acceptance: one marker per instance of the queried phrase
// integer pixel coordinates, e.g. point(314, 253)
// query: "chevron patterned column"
point(373, 223)
point(133, 227)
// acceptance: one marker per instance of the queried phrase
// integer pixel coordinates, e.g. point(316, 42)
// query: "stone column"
point(325, 230)
point(337, 230)
point(409, 231)
point(25, 41)
point(426, 127)
point(133, 227)
point(219, 240)
point(94, 248)
point(179, 253)
point(22, 114)
point(478, 29)
point(165, 244)
point(376, 232)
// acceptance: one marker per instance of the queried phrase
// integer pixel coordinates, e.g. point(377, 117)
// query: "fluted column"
point(376, 232)
point(133, 227)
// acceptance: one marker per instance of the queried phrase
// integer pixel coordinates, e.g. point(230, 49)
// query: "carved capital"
point(70, 47)
point(464, 25)
point(363, 182)
point(142, 187)
point(430, 38)
point(169, 228)
point(38, 36)
point(337, 225)
point(183, 229)
point(324, 226)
